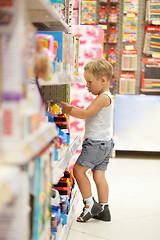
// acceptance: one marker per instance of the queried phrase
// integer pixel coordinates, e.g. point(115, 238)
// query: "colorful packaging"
point(112, 39)
point(88, 12)
point(62, 50)
point(112, 82)
point(113, 15)
point(112, 56)
point(127, 83)
point(129, 59)
point(150, 74)
point(103, 15)
point(129, 31)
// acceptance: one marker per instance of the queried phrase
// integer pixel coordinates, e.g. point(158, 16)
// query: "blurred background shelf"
point(59, 79)
point(44, 16)
point(21, 152)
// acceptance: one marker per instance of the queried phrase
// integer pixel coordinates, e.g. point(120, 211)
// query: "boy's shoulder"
point(104, 99)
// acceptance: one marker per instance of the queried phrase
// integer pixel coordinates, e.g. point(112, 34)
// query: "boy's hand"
point(66, 108)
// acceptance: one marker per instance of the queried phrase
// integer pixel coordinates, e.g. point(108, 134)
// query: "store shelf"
point(65, 229)
point(45, 16)
point(60, 166)
point(59, 79)
point(9, 183)
point(31, 146)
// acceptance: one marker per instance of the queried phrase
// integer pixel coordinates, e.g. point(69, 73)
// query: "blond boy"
point(98, 144)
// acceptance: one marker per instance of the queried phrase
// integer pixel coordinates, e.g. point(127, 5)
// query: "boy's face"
point(93, 84)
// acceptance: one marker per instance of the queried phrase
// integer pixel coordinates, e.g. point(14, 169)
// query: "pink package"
point(48, 42)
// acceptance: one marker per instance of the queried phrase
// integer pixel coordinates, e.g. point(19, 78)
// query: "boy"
point(97, 146)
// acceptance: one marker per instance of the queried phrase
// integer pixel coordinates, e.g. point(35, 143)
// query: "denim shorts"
point(95, 154)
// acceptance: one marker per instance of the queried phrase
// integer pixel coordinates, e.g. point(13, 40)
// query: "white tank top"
point(100, 126)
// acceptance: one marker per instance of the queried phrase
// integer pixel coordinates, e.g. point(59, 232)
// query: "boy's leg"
point(83, 182)
point(92, 208)
point(102, 185)
point(103, 191)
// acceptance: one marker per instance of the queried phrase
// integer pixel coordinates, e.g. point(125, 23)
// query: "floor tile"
point(134, 201)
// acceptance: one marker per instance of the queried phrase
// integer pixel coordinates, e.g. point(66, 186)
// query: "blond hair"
point(100, 68)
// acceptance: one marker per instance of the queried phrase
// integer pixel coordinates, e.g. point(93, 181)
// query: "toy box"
point(41, 192)
point(62, 50)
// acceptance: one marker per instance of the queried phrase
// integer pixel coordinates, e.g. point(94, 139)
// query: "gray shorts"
point(95, 154)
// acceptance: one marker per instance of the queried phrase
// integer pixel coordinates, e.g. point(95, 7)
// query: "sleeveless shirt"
point(100, 126)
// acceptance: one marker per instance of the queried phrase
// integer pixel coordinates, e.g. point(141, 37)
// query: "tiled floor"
point(134, 202)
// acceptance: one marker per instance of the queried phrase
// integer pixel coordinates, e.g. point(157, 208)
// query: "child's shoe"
point(104, 215)
point(87, 214)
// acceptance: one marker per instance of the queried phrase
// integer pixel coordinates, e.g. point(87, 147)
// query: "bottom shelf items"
point(60, 165)
point(63, 229)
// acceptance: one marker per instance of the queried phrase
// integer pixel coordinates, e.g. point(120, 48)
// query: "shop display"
point(113, 36)
point(129, 32)
point(27, 139)
point(113, 15)
point(112, 56)
point(130, 6)
point(14, 203)
point(127, 83)
point(66, 59)
point(153, 12)
point(150, 74)
point(102, 15)
point(112, 83)
point(36, 138)
point(41, 184)
point(129, 59)
point(152, 40)
point(88, 12)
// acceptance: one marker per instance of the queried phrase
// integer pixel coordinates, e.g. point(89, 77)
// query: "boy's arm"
point(98, 103)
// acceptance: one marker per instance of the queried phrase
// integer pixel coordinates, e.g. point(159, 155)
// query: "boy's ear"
point(103, 80)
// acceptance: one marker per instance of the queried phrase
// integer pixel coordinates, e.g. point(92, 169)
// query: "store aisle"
point(134, 203)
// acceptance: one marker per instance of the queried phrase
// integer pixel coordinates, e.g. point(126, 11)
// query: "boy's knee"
point(98, 178)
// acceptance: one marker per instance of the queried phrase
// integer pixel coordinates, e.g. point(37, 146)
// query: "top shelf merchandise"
point(153, 12)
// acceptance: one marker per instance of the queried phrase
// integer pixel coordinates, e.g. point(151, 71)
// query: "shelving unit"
point(64, 230)
point(60, 166)
point(31, 146)
point(44, 16)
point(25, 162)
point(14, 191)
point(59, 79)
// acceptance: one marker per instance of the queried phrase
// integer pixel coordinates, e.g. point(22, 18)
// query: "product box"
point(88, 12)
point(63, 56)
point(41, 181)
point(76, 55)
point(71, 53)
